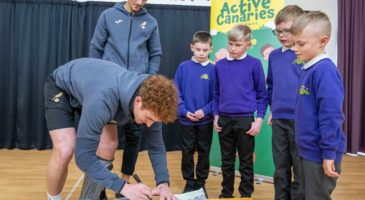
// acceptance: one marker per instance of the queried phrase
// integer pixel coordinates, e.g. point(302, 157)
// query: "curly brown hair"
point(159, 95)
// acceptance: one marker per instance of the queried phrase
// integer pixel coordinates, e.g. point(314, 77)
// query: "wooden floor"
point(22, 176)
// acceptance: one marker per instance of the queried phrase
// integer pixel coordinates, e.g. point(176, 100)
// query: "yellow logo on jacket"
point(303, 90)
point(204, 76)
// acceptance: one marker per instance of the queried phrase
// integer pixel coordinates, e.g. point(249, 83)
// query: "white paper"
point(194, 195)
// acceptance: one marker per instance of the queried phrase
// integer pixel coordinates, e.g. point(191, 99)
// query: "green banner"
point(259, 15)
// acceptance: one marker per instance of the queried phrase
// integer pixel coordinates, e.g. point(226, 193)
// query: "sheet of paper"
point(194, 195)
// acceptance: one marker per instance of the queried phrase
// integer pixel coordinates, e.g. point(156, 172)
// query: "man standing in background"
point(128, 35)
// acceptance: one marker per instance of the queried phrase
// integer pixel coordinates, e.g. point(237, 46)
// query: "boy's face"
point(201, 51)
point(141, 115)
point(237, 48)
point(282, 32)
point(134, 5)
point(309, 44)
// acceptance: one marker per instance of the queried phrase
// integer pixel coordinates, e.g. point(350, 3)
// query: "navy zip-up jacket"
point(131, 41)
point(104, 91)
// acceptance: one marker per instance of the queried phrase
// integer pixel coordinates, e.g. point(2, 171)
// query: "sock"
point(56, 197)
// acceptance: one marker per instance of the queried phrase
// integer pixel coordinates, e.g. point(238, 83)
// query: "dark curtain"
point(36, 36)
point(351, 62)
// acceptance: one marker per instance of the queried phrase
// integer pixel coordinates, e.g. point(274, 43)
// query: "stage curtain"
point(351, 62)
point(36, 36)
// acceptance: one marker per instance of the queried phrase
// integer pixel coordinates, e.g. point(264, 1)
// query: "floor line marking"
point(74, 187)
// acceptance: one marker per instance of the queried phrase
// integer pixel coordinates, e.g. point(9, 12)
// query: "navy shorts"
point(59, 112)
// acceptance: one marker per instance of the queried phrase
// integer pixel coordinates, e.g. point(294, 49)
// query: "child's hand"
point(215, 123)
point(199, 114)
point(255, 127)
point(329, 168)
point(191, 116)
point(269, 119)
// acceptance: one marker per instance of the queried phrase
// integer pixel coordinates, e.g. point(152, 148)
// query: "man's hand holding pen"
point(142, 192)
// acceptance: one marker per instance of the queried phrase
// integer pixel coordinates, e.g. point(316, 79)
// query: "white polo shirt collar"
point(315, 60)
point(240, 58)
point(203, 63)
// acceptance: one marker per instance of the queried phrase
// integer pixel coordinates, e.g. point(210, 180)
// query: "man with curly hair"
point(105, 92)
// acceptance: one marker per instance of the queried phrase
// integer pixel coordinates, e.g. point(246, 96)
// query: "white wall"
point(330, 8)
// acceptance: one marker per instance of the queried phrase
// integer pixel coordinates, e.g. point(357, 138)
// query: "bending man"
point(106, 92)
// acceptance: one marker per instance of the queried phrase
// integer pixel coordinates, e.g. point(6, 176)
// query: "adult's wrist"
point(163, 183)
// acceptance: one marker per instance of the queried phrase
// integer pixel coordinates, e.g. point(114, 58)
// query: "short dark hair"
point(202, 36)
point(289, 12)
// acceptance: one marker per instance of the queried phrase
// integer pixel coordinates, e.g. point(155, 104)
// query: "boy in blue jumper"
point(239, 91)
point(194, 80)
point(318, 110)
point(282, 84)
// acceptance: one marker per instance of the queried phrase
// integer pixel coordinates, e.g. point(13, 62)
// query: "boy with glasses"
point(282, 82)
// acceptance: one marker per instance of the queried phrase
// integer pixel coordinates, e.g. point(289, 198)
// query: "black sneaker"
point(103, 195)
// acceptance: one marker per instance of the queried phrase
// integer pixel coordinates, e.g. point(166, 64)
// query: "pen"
point(135, 176)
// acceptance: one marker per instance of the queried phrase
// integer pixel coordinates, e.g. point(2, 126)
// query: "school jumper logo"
point(204, 76)
point(303, 90)
point(118, 21)
point(143, 25)
point(56, 98)
point(298, 62)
